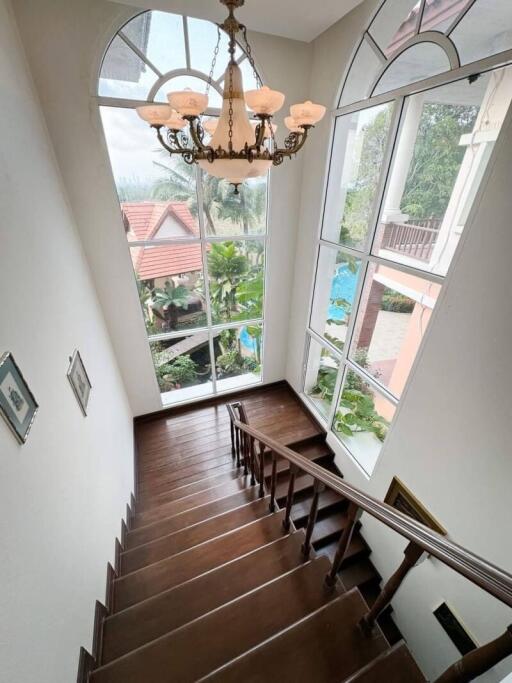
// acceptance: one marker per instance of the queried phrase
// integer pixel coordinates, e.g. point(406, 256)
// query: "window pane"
point(203, 39)
point(229, 214)
point(236, 273)
point(418, 62)
point(394, 24)
point(182, 366)
point(171, 287)
point(238, 356)
point(159, 36)
point(124, 74)
point(143, 171)
point(362, 419)
point(361, 76)
point(438, 16)
point(358, 152)
point(335, 287)
point(485, 30)
point(393, 315)
point(444, 145)
point(321, 374)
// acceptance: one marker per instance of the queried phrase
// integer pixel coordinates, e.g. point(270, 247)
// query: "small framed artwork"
point(399, 497)
point(79, 380)
point(17, 403)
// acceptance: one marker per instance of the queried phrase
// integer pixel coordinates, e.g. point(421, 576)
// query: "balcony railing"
point(415, 240)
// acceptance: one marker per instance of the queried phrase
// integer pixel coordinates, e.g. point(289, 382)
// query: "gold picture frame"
point(402, 499)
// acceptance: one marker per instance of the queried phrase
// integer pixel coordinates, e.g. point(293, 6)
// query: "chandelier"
point(231, 147)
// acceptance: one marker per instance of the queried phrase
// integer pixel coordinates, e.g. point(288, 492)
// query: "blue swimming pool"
point(344, 285)
point(250, 343)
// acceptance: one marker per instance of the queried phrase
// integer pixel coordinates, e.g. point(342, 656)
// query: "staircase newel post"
point(262, 469)
point(289, 498)
point(252, 461)
point(353, 514)
point(318, 487)
point(478, 661)
point(273, 483)
point(412, 555)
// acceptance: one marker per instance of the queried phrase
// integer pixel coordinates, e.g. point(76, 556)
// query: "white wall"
point(80, 31)
point(450, 442)
point(63, 493)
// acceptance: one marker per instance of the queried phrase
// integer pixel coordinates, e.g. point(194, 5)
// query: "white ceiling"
point(297, 19)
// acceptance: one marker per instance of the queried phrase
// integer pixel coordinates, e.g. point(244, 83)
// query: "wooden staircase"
point(210, 586)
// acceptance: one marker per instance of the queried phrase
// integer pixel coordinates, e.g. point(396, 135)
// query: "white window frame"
point(365, 256)
point(203, 239)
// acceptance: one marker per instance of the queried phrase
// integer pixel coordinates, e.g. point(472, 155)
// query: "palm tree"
point(226, 267)
point(169, 299)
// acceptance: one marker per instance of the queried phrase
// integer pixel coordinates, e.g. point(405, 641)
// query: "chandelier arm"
point(293, 143)
point(162, 141)
point(260, 136)
point(197, 138)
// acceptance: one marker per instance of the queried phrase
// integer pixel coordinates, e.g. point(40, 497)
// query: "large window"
point(198, 250)
point(417, 122)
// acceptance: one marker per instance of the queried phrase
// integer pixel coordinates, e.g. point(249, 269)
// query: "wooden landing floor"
point(197, 441)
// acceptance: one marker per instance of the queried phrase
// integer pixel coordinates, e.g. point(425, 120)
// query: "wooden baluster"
point(353, 515)
point(252, 460)
point(245, 441)
point(273, 483)
point(412, 554)
point(232, 429)
point(478, 661)
point(237, 446)
point(318, 487)
point(289, 498)
point(262, 469)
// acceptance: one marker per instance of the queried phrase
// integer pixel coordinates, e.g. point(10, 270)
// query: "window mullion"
point(186, 41)
point(204, 253)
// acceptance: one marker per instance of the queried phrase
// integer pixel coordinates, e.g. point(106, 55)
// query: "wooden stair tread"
point(327, 499)
point(160, 576)
point(189, 502)
point(302, 483)
point(396, 665)
point(325, 647)
point(329, 527)
point(226, 632)
point(314, 452)
point(152, 618)
point(168, 525)
point(356, 548)
point(201, 467)
point(176, 542)
point(358, 573)
point(171, 494)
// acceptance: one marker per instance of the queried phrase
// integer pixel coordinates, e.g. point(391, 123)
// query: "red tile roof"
point(143, 220)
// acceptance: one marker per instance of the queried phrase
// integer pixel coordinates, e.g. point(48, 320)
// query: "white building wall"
point(450, 442)
point(63, 493)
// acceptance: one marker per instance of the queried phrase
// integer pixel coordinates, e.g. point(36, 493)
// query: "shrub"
point(395, 302)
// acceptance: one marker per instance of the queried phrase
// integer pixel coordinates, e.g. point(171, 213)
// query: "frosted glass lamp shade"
point(264, 100)
point(210, 126)
point(187, 102)
point(307, 113)
point(155, 114)
point(175, 122)
point(291, 124)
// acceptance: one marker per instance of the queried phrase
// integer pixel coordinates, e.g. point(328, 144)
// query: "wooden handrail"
point(489, 577)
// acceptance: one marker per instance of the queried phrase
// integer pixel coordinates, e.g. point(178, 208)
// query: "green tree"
point(167, 300)
point(226, 267)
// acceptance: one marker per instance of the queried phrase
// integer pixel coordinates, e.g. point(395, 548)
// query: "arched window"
point(198, 250)
point(420, 110)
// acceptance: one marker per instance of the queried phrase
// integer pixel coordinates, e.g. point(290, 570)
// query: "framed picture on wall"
point(79, 380)
point(17, 403)
point(399, 497)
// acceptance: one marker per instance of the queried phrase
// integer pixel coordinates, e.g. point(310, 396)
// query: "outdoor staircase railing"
point(249, 446)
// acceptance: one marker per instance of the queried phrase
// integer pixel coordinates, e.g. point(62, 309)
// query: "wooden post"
point(412, 554)
point(479, 661)
point(237, 446)
point(252, 460)
point(245, 450)
point(318, 487)
point(289, 498)
point(232, 429)
point(353, 514)
point(262, 469)
point(273, 483)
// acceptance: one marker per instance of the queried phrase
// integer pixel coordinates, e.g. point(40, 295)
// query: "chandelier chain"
point(230, 112)
point(248, 52)
point(214, 62)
